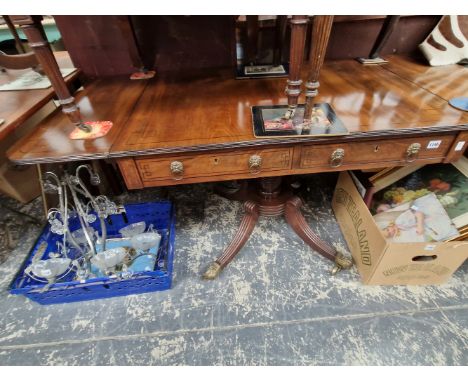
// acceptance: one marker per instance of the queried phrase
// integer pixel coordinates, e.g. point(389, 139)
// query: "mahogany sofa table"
point(170, 131)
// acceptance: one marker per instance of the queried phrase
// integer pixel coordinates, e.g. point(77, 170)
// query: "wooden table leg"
point(386, 31)
point(252, 40)
point(280, 33)
point(246, 227)
point(11, 27)
point(321, 29)
point(270, 198)
point(298, 223)
point(128, 33)
point(296, 56)
point(31, 26)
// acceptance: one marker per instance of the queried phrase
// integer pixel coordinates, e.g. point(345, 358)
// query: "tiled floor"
point(274, 305)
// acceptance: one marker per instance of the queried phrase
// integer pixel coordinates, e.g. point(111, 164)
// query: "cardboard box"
point(384, 263)
point(20, 183)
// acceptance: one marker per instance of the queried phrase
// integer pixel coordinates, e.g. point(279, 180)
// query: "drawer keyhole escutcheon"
point(336, 159)
point(255, 164)
point(177, 170)
point(412, 152)
point(376, 148)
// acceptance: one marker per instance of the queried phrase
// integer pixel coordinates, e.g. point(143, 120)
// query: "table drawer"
point(403, 150)
point(203, 165)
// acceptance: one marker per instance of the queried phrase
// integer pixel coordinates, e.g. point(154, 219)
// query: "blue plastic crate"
point(160, 214)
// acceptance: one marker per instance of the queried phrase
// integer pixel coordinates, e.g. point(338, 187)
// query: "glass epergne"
point(86, 248)
point(75, 201)
point(80, 236)
point(50, 269)
point(133, 229)
point(108, 260)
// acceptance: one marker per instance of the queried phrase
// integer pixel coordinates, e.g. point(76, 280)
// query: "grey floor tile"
point(243, 346)
point(77, 354)
point(423, 338)
point(275, 279)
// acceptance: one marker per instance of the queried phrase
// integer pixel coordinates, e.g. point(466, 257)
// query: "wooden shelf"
point(213, 111)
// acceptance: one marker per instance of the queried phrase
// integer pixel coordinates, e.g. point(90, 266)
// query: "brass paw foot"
point(213, 271)
point(341, 262)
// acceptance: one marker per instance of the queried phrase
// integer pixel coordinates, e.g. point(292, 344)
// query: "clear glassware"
point(133, 229)
point(145, 241)
point(80, 237)
point(106, 261)
point(49, 269)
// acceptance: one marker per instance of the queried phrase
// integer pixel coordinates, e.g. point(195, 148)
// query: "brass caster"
point(341, 262)
point(213, 271)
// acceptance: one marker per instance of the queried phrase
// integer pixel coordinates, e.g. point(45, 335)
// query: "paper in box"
point(383, 263)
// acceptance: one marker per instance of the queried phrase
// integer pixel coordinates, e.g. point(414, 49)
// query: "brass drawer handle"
point(336, 159)
point(412, 152)
point(177, 169)
point(255, 164)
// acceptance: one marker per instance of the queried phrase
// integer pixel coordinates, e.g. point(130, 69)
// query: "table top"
point(445, 81)
point(213, 111)
point(17, 106)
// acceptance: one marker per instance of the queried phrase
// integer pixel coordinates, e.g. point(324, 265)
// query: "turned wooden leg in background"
point(31, 26)
point(18, 42)
point(280, 34)
point(296, 56)
point(128, 33)
point(243, 233)
point(321, 29)
point(252, 40)
point(386, 31)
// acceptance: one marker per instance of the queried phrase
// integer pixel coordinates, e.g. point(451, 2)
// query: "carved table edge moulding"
point(31, 27)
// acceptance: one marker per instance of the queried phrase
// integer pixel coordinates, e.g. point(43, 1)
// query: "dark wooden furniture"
point(250, 28)
point(18, 105)
point(176, 130)
point(380, 104)
point(32, 28)
point(382, 38)
point(14, 32)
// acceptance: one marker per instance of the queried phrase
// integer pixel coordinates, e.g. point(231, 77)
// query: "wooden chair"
point(23, 60)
